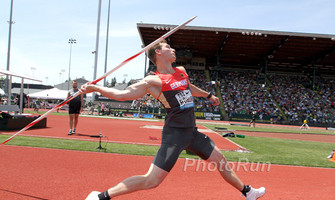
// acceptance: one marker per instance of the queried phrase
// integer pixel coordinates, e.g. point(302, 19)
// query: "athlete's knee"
point(153, 182)
point(216, 155)
point(218, 158)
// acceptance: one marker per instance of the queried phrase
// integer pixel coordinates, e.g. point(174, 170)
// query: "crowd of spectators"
point(145, 103)
point(300, 102)
point(241, 94)
point(104, 108)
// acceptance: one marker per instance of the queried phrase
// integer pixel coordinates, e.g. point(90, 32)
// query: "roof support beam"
point(219, 51)
point(314, 71)
point(222, 44)
point(271, 53)
point(323, 55)
point(317, 58)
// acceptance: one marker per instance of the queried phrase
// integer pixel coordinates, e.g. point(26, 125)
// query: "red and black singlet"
point(177, 99)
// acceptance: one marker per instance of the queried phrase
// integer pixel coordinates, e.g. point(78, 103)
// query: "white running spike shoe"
point(254, 194)
point(93, 196)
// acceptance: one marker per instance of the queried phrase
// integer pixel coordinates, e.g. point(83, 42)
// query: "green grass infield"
point(262, 150)
point(273, 129)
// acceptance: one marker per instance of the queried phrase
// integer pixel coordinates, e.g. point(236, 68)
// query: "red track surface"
point(35, 173)
point(122, 131)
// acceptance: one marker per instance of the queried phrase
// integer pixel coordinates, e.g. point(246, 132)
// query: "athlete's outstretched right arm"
point(132, 92)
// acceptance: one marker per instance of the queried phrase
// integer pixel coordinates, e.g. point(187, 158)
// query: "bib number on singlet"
point(185, 99)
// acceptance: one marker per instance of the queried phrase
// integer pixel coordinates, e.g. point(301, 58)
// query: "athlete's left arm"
point(198, 92)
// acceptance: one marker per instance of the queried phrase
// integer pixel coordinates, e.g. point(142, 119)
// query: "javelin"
point(99, 79)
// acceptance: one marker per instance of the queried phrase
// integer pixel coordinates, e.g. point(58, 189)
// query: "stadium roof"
point(250, 49)
point(6, 72)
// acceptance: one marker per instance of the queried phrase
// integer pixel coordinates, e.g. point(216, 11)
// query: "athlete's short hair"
point(152, 51)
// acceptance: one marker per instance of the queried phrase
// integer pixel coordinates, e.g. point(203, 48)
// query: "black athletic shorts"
point(175, 140)
point(74, 108)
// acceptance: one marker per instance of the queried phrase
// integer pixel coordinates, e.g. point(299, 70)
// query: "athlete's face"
point(168, 53)
point(74, 84)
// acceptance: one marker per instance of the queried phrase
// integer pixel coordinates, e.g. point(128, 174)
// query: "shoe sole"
point(262, 194)
point(93, 196)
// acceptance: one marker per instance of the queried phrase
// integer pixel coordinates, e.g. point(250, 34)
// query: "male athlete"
point(172, 88)
point(304, 125)
point(75, 107)
point(253, 119)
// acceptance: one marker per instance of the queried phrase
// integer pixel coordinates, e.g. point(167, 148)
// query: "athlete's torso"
point(177, 99)
point(77, 99)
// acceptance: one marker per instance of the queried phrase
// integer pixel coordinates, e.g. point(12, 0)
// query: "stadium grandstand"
point(286, 77)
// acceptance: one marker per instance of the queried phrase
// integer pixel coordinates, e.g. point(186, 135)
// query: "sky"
point(42, 29)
